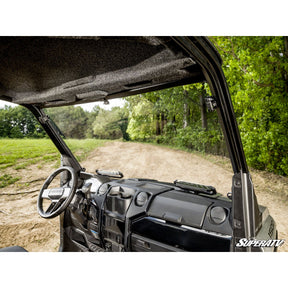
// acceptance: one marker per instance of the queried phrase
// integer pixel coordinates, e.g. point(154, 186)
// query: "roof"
point(56, 71)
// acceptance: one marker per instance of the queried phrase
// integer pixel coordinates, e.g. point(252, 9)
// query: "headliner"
point(57, 71)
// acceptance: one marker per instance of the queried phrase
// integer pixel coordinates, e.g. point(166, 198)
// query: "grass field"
point(20, 153)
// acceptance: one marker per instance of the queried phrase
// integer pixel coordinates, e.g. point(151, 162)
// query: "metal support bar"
point(47, 125)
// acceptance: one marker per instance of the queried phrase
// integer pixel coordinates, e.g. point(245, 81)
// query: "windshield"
point(119, 136)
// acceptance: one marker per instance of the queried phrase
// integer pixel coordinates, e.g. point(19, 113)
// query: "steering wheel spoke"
point(45, 194)
point(54, 205)
point(60, 197)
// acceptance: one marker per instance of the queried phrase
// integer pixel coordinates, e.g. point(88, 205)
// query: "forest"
point(256, 71)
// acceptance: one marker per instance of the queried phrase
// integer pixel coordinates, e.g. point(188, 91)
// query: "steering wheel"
point(60, 197)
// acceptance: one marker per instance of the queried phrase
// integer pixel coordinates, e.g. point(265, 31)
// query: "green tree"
point(72, 121)
point(175, 116)
point(110, 124)
point(91, 118)
point(256, 70)
point(18, 122)
point(141, 120)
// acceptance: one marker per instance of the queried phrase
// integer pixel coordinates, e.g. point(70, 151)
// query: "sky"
point(87, 107)
point(112, 103)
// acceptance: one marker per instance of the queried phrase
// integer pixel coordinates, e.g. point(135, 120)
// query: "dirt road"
point(21, 225)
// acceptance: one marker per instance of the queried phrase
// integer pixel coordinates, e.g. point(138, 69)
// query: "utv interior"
point(104, 211)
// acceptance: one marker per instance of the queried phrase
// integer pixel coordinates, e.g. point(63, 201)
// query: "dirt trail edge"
point(21, 225)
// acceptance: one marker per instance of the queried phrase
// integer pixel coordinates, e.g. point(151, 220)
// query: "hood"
point(57, 71)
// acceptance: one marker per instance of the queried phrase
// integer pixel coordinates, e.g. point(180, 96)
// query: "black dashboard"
point(145, 215)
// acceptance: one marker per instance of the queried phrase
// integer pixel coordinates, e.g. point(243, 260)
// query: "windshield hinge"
point(211, 103)
point(44, 119)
